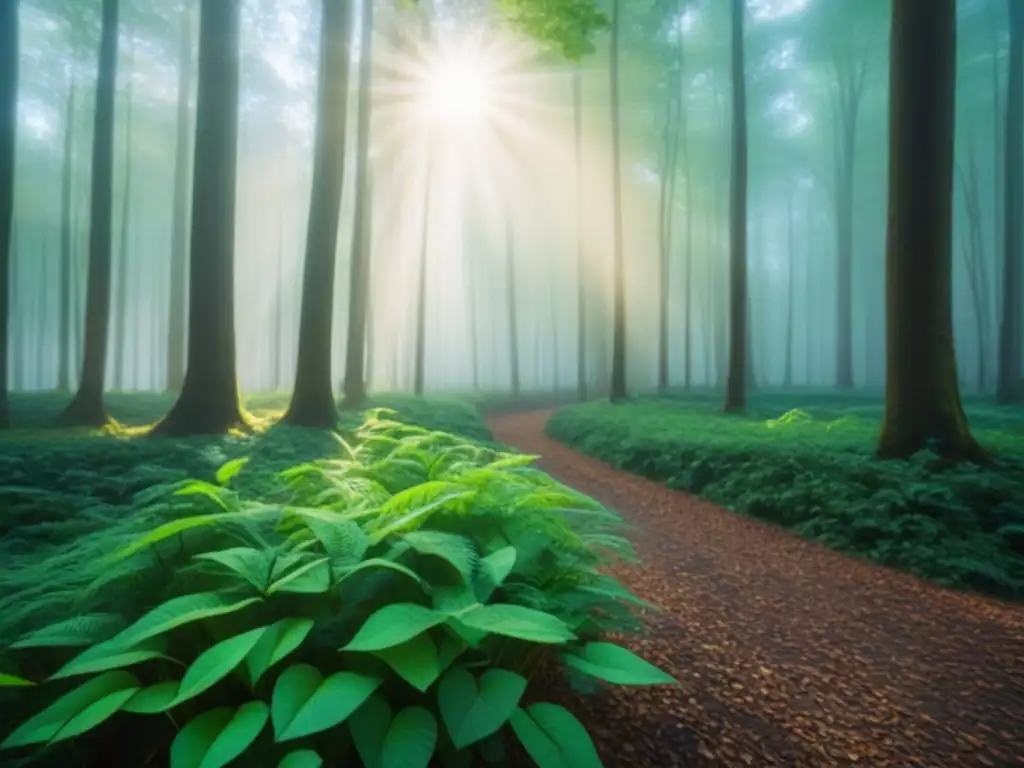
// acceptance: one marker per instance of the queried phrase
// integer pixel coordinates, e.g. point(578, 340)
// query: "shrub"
point(409, 590)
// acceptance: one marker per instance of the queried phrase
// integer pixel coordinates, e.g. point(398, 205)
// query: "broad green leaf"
point(302, 758)
point(379, 562)
point(616, 665)
point(46, 724)
point(216, 663)
point(111, 655)
point(411, 739)
point(472, 712)
point(313, 578)
point(457, 551)
point(204, 489)
point(449, 649)
point(95, 714)
point(517, 621)
point(396, 517)
point(230, 470)
point(343, 540)
point(13, 681)
point(218, 736)
point(392, 625)
point(492, 572)
point(304, 702)
point(369, 727)
point(76, 631)
point(165, 531)
point(554, 738)
point(253, 565)
point(153, 699)
point(415, 661)
point(278, 641)
point(512, 461)
point(179, 611)
point(453, 599)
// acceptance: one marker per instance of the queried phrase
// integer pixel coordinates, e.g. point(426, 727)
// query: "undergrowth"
point(811, 470)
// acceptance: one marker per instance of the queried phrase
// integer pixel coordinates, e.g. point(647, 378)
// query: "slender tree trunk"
point(787, 380)
point(618, 377)
point(209, 401)
point(736, 393)
point(976, 261)
point(474, 331)
point(9, 49)
point(86, 408)
point(42, 299)
point(279, 294)
point(513, 319)
point(671, 147)
point(419, 372)
point(177, 309)
point(64, 309)
point(844, 230)
point(553, 306)
point(581, 270)
point(122, 270)
point(922, 396)
point(312, 402)
point(809, 283)
point(1008, 387)
point(687, 263)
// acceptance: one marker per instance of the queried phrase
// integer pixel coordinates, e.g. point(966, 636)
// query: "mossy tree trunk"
point(86, 408)
point(8, 128)
point(312, 403)
point(736, 383)
point(922, 396)
point(618, 374)
point(209, 400)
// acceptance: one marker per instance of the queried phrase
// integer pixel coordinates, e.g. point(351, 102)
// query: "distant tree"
point(86, 407)
point(513, 318)
point(581, 267)
point(420, 362)
point(312, 403)
point(922, 395)
point(736, 384)
point(787, 379)
point(120, 312)
point(618, 377)
point(65, 271)
point(1008, 388)
point(9, 51)
point(976, 261)
point(209, 400)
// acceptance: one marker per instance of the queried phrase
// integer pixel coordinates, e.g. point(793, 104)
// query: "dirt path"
point(789, 653)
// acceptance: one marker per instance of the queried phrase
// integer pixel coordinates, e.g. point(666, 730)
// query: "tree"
point(922, 396)
point(420, 363)
point(86, 408)
point(8, 129)
point(312, 403)
point(581, 270)
point(618, 377)
point(179, 216)
point(973, 251)
point(209, 400)
point(513, 319)
point(1008, 388)
point(790, 269)
point(64, 309)
point(736, 383)
point(121, 307)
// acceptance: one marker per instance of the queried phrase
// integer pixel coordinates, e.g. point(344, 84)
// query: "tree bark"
point(121, 271)
point(86, 408)
point(736, 384)
point(922, 395)
point(64, 310)
point(8, 129)
point(618, 377)
point(312, 403)
point(976, 260)
point(581, 271)
point(209, 401)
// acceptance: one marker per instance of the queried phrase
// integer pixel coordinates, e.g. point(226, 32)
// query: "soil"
point(788, 653)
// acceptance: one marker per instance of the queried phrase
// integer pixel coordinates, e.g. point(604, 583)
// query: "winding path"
point(791, 654)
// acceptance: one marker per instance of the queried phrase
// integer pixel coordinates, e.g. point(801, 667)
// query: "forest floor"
point(790, 653)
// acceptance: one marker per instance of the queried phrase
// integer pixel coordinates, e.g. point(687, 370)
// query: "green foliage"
point(811, 470)
point(385, 605)
point(565, 25)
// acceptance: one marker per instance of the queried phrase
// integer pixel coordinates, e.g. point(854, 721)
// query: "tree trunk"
point(513, 320)
point(64, 309)
point(474, 331)
point(177, 309)
point(312, 403)
point(667, 205)
point(736, 384)
point(618, 377)
point(86, 408)
point(42, 300)
point(922, 396)
point(787, 380)
point(976, 260)
point(8, 129)
point(419, 370)
point(279, 294)
point(581, 271)
point(209, 400)
point(121, 273)
point(687, 263)
point(1008, 388)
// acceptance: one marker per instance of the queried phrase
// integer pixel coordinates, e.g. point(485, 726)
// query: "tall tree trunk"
point(86, 408)
point(581, 269)
point(787, 379)
point(1008, 387)
point(419, 370)
point(553, 306)
point(64, 309)
point(670, 140)
point(42, 300)
point(976, 261)
point(513, 319)
point(922, 396)
point(618, 377)
point(474, 331)
point(209, 400)
point(736, 384)
point(177, 309)
point(279, 294)
point(809, 293)
point(312, 402)
point(121, 272)
point(8, 128)
point(687, 261)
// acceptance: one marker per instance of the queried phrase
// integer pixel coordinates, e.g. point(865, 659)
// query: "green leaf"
point(280, 639)
point(392, 625)
point(411, 739)
point(45, 725)
point(343, 540)
point(554, 738)
point(12, 681)
point(457, 551)
point(369, 727)
point(394, 518)
point(304, 702)
point(153, 699)
point(415, 661)
point(616, 664)
point(230, 470)
point(379, 562)
point(472, 713)
point(253, 565)
point(517, 621)
point(76, 631)
point(302, 758)
point(216, 663)
point(513, 461)
point(179, 611)
point(492, 572)
point(313, 578)
point(218, 736)
point(95, 714)
point(111, 655)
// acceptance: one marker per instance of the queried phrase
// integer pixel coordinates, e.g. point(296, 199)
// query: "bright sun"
point(456, 90)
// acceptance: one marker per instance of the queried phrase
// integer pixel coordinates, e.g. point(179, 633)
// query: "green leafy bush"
point(392, 604)
point(811, 470)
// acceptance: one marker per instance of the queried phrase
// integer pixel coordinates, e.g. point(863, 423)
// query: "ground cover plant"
point(391, 603)
point(804, 461)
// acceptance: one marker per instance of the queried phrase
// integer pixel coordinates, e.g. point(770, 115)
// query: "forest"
point(568, 383)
